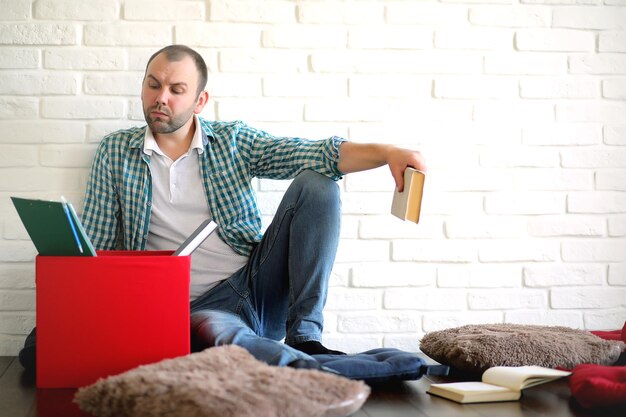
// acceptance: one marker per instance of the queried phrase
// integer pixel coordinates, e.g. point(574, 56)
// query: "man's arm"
point(355, 157)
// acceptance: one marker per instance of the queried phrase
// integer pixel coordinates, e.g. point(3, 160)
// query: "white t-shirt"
point(179, 205)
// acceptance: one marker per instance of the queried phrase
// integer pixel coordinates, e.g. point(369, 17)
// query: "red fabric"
point(612, 334)
point(597, 385)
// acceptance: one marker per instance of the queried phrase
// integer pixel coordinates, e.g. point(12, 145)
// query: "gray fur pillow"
point(221, 382)
point(474, 348)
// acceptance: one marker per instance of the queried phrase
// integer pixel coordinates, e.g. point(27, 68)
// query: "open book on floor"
point(500, 383)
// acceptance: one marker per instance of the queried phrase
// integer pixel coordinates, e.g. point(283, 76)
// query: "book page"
point(471, 387)
point(520, 377)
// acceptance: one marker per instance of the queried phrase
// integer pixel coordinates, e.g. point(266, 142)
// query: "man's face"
point(169, 93)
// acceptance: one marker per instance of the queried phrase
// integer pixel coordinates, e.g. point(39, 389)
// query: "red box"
point(99, 316)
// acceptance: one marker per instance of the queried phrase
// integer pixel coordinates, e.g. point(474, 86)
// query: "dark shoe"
point(313, 347)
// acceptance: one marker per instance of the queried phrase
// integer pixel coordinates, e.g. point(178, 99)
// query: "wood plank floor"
point(20, 398)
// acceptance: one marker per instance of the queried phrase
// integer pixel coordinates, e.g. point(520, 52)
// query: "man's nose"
point(162, 97)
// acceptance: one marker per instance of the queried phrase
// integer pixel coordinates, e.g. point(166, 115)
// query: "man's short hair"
point(175, 53)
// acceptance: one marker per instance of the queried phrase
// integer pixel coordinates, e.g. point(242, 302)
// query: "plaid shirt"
point(119, 190)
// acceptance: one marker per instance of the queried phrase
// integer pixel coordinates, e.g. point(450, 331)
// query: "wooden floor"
point(20, 398)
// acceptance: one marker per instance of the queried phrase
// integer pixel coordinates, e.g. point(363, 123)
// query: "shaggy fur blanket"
point(222, 381)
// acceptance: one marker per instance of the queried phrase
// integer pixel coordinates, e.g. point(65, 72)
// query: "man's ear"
point(203, 99)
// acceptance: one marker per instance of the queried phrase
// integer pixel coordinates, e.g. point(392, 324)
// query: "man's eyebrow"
point(182, 83)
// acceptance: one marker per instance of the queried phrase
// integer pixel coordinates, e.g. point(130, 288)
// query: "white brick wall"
point(518, 108)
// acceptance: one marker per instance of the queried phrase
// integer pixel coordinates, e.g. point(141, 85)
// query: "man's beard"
point(157, 125)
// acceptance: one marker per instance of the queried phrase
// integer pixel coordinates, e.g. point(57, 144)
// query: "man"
point(149, 188)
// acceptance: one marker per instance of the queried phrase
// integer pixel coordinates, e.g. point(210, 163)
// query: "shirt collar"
point(150, 144)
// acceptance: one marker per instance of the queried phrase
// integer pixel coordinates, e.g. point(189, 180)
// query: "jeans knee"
point(318, 187)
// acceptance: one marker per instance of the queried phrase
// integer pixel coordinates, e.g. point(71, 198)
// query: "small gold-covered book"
point(407, 205)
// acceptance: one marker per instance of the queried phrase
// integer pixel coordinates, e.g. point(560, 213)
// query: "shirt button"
point(149, 203)
point(145, 237)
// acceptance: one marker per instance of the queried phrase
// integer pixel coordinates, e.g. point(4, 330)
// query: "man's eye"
point(153, 85)
point(178, 91)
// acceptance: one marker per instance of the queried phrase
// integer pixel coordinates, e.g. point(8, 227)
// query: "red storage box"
point(99, 316)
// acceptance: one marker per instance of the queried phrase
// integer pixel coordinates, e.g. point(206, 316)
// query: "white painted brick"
point(135, 110)
point(259, 109)
point(475, 87)
point(305, 86)
point(330, 324)
point(336, 13)
point(525, 63)
point(559, 88)
point(563, 2)
point(434, 250)
point(605, 320)
point(38, 179)
point(340, 276)
point(474, 38)
point(604, 250)
point(16, 251)
point(617, 274)
point(554, 226)
point(479, 276)
point(588, 298)
point(163, 10)
point(510, 16)
point(614, 88)
point(15, 9)
point(597, 64)
point(299, 36)
point(407, 343)
point(353, 250)
point(262, 61)
point(266, 184)
point(553, 179)
point(268, 202)
point(69, 156)
point(347, 110)
point(604, 18)
point(593, 111)
point(33, 84)
point(84, 59)
point(453, 203)
point(471, 180)
point(75, 10)
point(497, 299)
point(514, 112)
point(440, 321)
point(252, 11)
point(17, 300)
point(81, 108)
point(609, 41)
point(96, 130)
point(611, 179)
point(38, 34)
point(218, 35)
point(535, 202)
point(562, 134)
point(519, 156)
point(12, 58)
point(383, 321)
point(127, 34)
point(518, 251)
point(591, 158)
point(18, 108)
point(554, 40)
point(390, 86)
point(377, 179)
point(353, 299)
point(14, 229)
point(425, 299)
point(17, 275)
point(18, 156)
point(563, 275)
point(392, 274)
point(125, 84)
point(17, 323)
point(387, 226)
point(569, 319)
point(35, 131)
point(234, 85)
point(485, 227)
point(349, 227)
point(617, 226)
point(397, 62)
point(394, 37)
point(615, 135)
point(352, 344)
point(425, 14)
point(429, 111)
point(596, 202)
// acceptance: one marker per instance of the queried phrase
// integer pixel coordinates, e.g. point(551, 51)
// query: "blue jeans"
point(282, 290)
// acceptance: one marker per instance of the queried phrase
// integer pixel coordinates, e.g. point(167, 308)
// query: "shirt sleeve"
point(101, 213)
point(285, 157)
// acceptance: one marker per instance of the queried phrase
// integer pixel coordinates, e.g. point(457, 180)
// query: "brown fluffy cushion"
point(475, 348)
point(222, 381)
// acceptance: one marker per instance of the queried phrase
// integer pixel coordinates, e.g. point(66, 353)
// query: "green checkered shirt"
point(118, 198)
